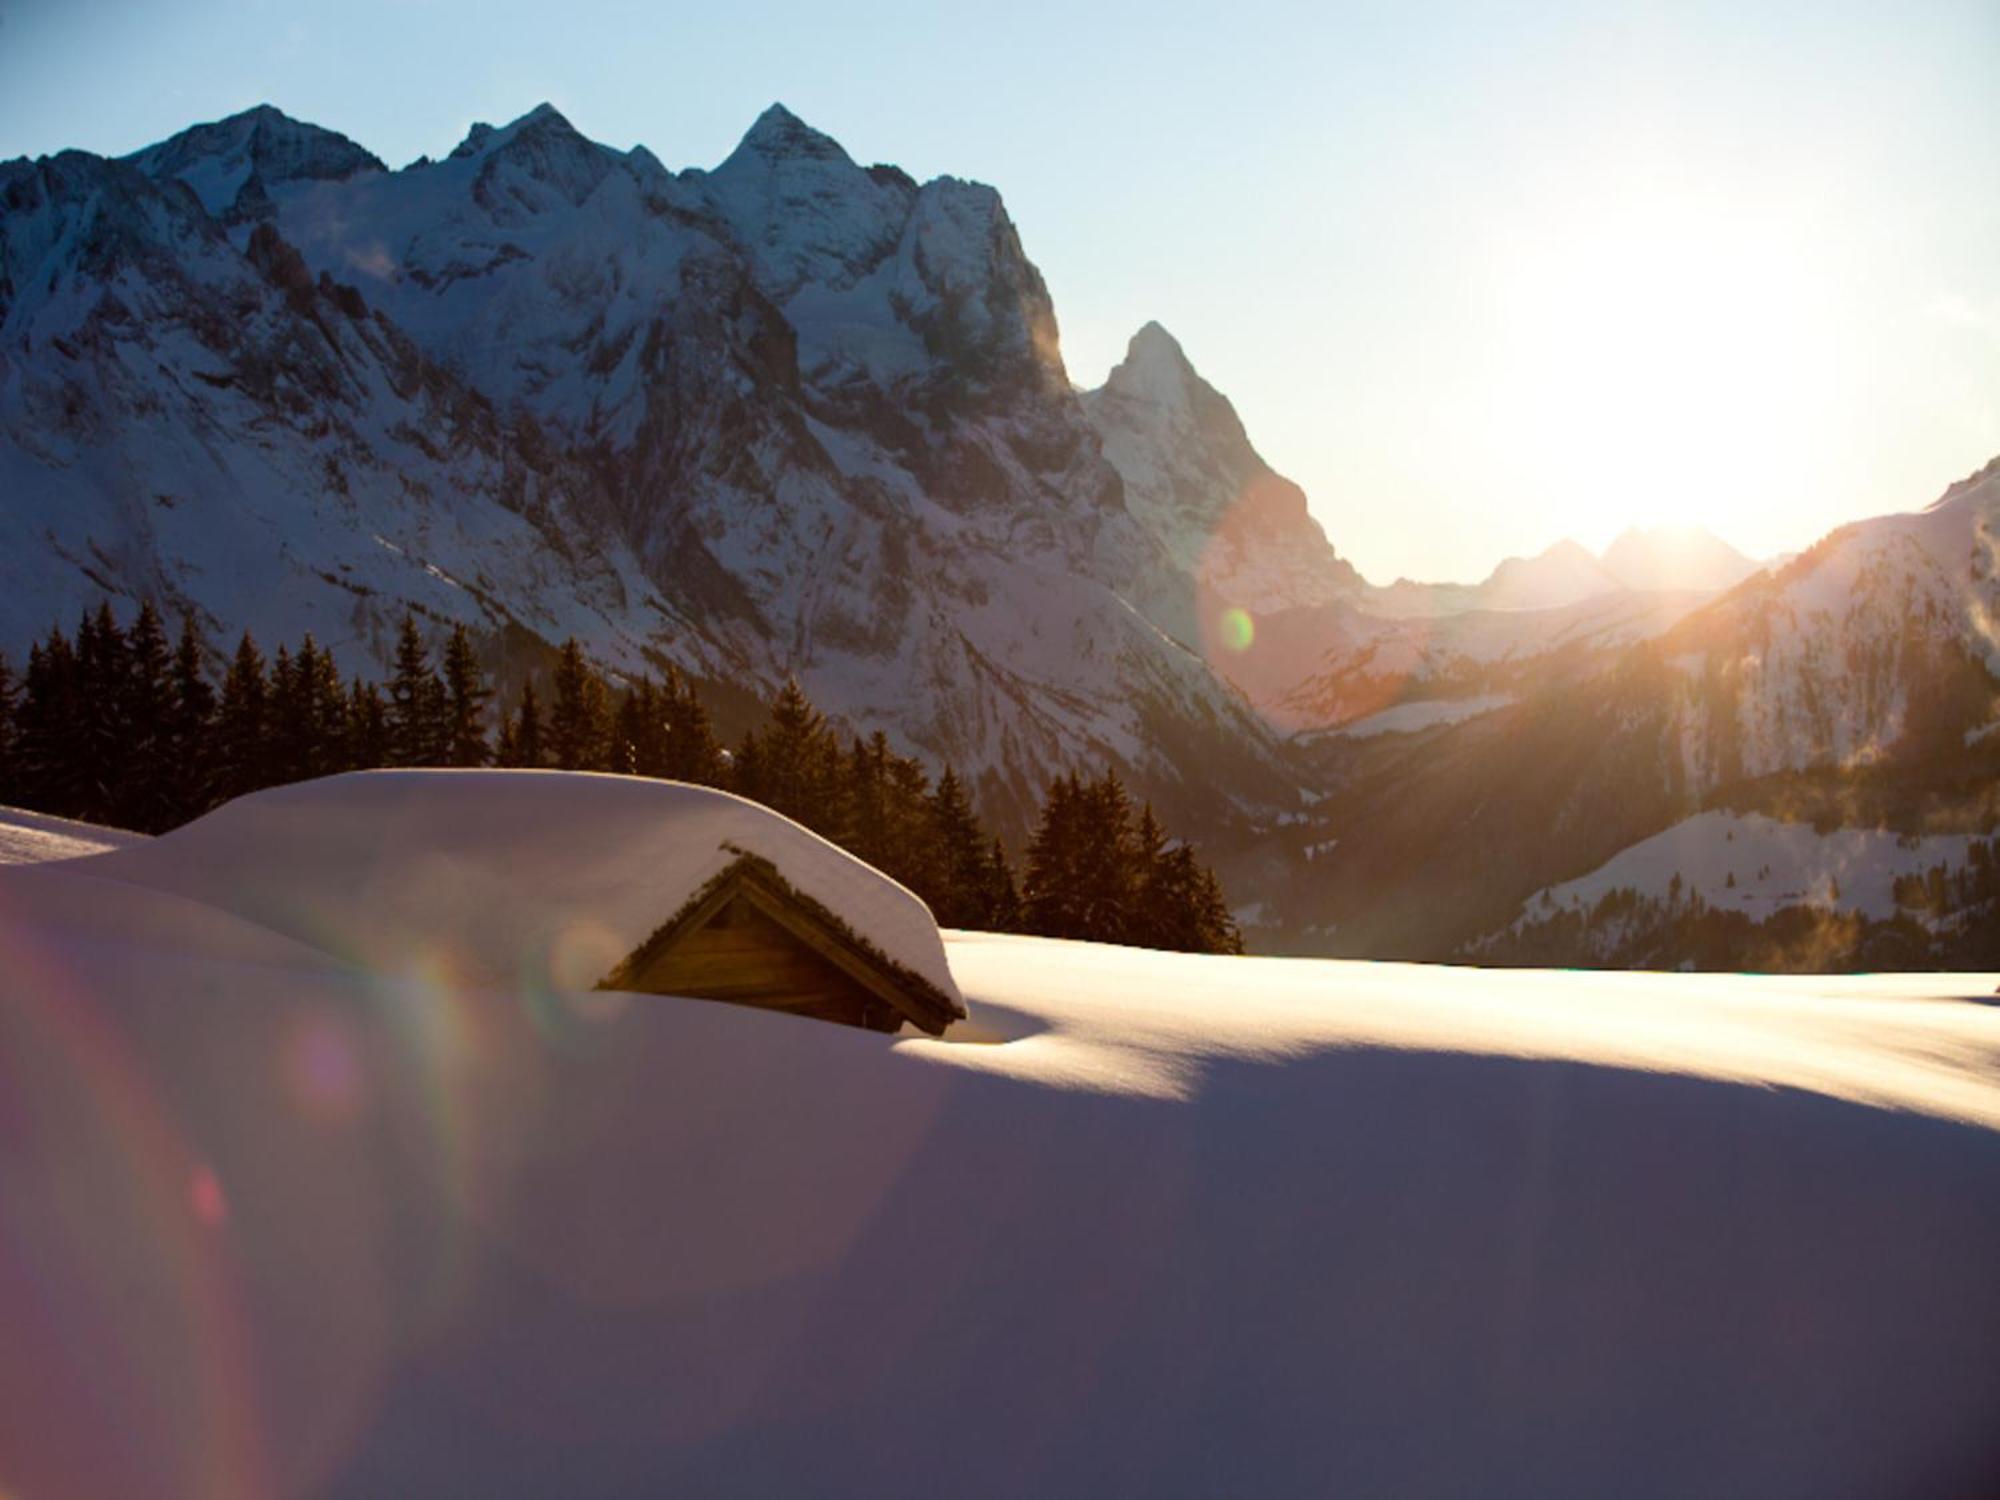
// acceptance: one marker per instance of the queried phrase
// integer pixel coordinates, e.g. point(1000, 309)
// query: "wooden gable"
point(749, 938)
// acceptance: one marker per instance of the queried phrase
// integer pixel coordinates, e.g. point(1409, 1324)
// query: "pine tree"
point(287, 731)
point(1154, 919)
point(99, 734)
point(1006, 895)
point(794, 766)
point(9, 696)
point(416, 703)
point(578, 730)
point(323, 702)
point(689, 748)
point(1198, 919)
point(528, 749)
point(866, 776)
point(366, 742)
point(913, 857)
point(190, 748)
point(48, 758)
point(142, 796)
point(634, 745)
point(241, 724)
point(466, 696)
point(967, 889)
point(1053, 898)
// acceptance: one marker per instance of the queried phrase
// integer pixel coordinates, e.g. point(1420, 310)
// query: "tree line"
point(118, 725)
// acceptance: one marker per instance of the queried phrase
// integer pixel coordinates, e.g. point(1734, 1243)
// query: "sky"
point(1478, 277)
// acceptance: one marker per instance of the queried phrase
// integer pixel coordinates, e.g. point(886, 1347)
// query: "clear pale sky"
point(1477, 276)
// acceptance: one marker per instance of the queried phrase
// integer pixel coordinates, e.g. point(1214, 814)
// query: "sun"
point(1664, 359)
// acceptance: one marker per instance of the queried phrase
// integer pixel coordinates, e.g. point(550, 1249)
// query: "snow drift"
point(504, 877)
point(273, 1222)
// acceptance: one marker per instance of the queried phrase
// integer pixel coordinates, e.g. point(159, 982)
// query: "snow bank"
point(1759, 865)
point(28, 838)
point(543, 878)
point(1146, 1224)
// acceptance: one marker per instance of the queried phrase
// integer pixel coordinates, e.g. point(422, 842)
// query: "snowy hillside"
point(278, 1221)
point(1881, 632)
point(1759, 865)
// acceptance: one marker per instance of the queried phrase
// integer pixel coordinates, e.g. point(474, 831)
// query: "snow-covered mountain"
point(1880, 634)
point(1858, 687)
point(1561, 575)
point(1236, 529)
point(790, 416)
point(1675, 557)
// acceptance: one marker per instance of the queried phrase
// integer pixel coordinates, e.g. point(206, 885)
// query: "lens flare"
point(322, 1068)
point(134, 1190)
point(1237, 629)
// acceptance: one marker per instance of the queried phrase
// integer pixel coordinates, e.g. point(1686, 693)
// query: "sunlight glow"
point(1666, 359)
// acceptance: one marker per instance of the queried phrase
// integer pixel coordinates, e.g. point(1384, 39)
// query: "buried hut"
point(532, 882)
point(750, 937)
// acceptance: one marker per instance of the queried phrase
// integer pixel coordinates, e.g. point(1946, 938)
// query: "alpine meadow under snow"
point(325, 1172)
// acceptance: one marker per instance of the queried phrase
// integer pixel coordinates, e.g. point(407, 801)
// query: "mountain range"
point(797, 416)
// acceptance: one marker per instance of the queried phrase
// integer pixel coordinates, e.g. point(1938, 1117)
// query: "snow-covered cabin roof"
point(508, 878)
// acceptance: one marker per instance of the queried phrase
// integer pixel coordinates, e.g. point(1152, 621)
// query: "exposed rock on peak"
point(779, 132)
point(231, 165)
point(1192, 476)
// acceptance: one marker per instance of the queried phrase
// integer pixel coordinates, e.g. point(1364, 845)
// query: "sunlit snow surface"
point(28, 838)
point(273, 1220)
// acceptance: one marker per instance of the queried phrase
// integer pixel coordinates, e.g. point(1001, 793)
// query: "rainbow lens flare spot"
point(1238, 630)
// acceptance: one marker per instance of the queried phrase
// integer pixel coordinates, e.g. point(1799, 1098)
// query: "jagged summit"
point(543, 120)
point(778, 132)
point(1153, 342)
point(1155, 369)
point(231, 164)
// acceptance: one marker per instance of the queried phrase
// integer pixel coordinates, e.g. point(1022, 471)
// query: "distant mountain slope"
point(1675, 557)
point(1870, 659)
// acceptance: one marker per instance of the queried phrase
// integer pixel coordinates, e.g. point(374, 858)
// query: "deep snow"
point(28, 838)
point(274, 1221)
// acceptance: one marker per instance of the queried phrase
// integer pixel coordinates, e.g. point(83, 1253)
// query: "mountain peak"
point(777, 132)
point(1155, 369)
point(1676, 558)
point(543, 120)
point(1152, 344)
point(219, 160)
point(544, 113)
